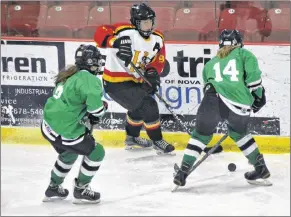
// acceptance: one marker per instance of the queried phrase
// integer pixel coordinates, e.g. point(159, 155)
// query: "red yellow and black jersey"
point(152, 49)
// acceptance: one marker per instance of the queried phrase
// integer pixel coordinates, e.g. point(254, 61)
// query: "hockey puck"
point(231, 167)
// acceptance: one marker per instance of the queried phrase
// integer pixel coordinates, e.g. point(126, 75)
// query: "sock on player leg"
point(90, 165)
point(62, 167)
point(195, 146)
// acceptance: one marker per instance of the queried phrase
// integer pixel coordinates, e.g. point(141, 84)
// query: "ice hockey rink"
point(140, 182)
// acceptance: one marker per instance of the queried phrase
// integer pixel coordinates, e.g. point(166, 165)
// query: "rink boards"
point(29, 66)
point(115, 139)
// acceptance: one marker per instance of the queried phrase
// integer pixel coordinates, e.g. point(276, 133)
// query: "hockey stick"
point(178, 120)
point(91, 129)
point(212, 150)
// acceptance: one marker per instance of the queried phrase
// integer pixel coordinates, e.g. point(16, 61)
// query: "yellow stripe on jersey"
point(152, 125)
point(111, 41)
point(122, 28)
point(133, 122)
point(119, 79)
point(159, 34)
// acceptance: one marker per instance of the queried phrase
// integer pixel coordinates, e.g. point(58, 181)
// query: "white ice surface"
point(140, 182)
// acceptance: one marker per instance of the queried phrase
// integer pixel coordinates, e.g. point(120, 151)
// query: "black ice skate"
point(163, 147)
point(181, 174)
point(137, 142)
point(261, 173)
point(84, 194)
point(55, 192)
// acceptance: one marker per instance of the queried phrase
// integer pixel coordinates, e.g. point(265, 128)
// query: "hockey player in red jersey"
point(140, 44)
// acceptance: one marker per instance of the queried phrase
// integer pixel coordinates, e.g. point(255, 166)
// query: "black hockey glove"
point(259, 101)
point(153, 77)
point(123, 44)
point(96, 119)
point(93, 119)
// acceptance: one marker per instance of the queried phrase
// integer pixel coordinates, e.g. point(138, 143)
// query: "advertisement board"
point(28, 69)
point(27, 79)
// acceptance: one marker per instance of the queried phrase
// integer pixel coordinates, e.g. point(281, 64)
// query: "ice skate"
point(84, 194)
point(137, 143)
point(55, 192)
point(163, 148)
point(261, 173)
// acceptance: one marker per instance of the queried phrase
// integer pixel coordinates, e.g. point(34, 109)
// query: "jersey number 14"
point(229, 69)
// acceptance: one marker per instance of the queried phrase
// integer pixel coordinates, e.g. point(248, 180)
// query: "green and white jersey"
point(81, 93)
point(234, 77)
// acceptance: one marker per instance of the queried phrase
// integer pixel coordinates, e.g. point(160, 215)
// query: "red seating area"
point(193, 24)
point(4, 19)
point(178, 20)
point(278, 24)
point(25, 19)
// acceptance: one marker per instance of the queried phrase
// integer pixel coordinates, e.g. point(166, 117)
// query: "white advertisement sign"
point(182, 82)
point(33, 65)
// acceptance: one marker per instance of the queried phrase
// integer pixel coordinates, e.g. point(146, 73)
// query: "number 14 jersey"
point(234, 77)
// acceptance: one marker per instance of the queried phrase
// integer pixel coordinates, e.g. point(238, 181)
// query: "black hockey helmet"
point(230, 37)
point(140, 12)
point(88, 57)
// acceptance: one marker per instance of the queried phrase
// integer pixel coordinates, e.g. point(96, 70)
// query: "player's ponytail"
point(225, 50)
point(65, 74)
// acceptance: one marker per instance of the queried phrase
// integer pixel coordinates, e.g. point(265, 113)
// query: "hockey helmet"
point(139, 12)
point(88, 57)
point(230, 37)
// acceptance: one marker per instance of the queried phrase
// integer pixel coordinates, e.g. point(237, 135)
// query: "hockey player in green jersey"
point(77, 95)
point(233, 87)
